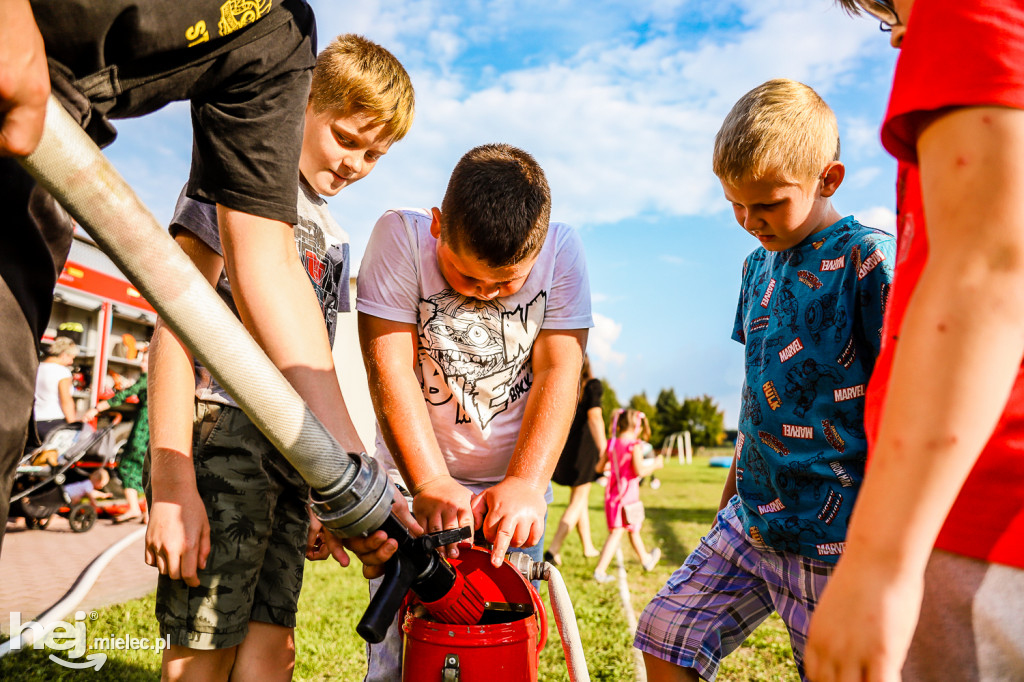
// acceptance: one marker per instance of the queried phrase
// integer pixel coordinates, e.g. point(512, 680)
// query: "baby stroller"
point(69, 453)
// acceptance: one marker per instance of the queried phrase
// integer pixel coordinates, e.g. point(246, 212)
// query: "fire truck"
point(99, 309)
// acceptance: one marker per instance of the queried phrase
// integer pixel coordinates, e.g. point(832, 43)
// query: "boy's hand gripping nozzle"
point(364, 507)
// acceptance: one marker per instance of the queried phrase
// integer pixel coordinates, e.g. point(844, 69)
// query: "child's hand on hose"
point(322, 543)
point(375, 551)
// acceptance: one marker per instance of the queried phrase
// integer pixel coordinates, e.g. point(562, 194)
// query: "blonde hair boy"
point(810, 310)
point(780, 128)
point(227, 601)
point(353, 75)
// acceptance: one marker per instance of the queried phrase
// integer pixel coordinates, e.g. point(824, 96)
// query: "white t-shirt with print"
point(474, 356)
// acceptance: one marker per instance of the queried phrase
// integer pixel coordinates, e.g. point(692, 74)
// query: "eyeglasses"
point(883, 10)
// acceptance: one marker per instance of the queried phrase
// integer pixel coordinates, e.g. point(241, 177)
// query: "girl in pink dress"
point(623, 510)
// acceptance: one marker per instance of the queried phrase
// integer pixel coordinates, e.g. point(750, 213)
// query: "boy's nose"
point(487, 293)
point(751, 221)
point(354, 162)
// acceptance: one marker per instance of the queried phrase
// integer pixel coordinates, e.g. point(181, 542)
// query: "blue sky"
point(620, 103)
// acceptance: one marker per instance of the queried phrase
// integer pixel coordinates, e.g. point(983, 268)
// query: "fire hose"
point(351, 495)
point(561, 607)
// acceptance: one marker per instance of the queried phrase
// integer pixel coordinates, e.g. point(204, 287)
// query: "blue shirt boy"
point(810, 317)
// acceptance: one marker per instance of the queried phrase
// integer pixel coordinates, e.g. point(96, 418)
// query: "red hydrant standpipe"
point(463, 605)
point(504, 645)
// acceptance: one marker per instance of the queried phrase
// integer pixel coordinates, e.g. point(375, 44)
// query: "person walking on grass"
point(129, 466)
point(576, 465)
point(622, 506)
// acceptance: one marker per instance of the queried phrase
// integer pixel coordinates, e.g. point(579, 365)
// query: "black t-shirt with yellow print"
point(244, 65)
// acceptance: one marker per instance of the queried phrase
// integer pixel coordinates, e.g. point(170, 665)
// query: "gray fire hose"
point(353, 492)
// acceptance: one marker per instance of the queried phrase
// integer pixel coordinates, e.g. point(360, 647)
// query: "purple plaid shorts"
point(722, 592)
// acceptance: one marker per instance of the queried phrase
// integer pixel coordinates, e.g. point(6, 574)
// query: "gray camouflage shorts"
point(256, 504)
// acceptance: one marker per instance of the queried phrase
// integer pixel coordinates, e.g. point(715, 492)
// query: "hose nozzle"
point(463, 605)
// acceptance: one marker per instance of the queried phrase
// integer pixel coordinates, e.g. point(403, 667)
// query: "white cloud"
point(622, 127)
point(863, 177)
point(878, 216)
point(672, 260)
point(859, 135)
point(599, 344)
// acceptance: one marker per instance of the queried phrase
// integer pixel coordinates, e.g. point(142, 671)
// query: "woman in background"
point(54, 405)
point(575, 468)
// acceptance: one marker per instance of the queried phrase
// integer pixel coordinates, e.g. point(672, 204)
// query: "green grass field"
point(333, 599)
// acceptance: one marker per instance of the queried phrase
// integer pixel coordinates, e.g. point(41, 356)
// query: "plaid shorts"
point(722, 592)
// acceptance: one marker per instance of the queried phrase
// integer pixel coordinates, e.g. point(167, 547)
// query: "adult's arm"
point(511, 513)
point(595, 422)
point(67, 403)
point(24, 79)
point(279, 308)
point(960, 349)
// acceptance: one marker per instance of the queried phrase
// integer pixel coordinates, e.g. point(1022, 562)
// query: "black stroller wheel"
point(82, 517)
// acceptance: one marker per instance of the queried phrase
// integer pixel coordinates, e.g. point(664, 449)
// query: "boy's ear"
point(435, 222)
point(832, 177)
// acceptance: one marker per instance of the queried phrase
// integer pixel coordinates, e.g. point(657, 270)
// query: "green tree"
point(668, 413)
point(704, 420)
point(640, 402)
point(609, 403)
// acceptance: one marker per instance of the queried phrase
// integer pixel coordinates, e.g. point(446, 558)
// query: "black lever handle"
point(398, 578)
point(417, 566)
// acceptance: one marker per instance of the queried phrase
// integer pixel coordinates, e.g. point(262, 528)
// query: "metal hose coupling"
point(360, 508)
point(531, 570)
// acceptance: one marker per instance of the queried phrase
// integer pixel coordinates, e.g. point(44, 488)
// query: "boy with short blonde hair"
point(781, 128)
point(229, 526)
point(810, 315)
point(354, 74)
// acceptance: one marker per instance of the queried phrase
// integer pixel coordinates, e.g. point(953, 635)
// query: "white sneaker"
point(603, 577)
point(652, 559)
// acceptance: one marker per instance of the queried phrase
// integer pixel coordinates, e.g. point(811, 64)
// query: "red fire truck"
point(99, 309)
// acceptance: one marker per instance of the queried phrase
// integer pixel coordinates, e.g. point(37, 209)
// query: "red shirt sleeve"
point(954, 54)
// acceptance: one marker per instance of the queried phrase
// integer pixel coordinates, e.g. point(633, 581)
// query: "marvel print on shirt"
point(811, 319)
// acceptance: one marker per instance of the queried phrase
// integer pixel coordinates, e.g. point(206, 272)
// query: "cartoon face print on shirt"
point(479, 350)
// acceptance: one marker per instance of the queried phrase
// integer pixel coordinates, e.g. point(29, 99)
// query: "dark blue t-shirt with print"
point(811, 320)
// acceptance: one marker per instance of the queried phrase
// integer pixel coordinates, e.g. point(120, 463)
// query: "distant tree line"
point(700, 416)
